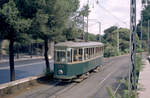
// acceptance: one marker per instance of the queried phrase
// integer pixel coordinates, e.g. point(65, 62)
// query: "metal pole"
point(132, 81)
point(148, 37)
point(87, 28)
point(100, 31)
point(118, 40)
point(141, 31)
point(87, 24)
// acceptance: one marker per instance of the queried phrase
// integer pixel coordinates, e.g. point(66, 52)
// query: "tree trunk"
point(46, 55)
point(11, 60)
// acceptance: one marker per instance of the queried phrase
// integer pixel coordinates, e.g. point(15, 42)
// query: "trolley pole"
point(132, 67)
point(148, 37)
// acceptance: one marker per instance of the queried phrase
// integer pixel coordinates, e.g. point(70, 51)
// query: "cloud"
point(111, 12)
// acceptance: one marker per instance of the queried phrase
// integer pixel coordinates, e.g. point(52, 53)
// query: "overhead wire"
point(109, 12)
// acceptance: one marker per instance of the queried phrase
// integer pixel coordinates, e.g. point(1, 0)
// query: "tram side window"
point(102, 50)
point(80, 54)
point(92, 52)
point(77, 55)
point(61, 56)
point(85, 53)
point(97, 51)
point(89, 53)
point(69, 56)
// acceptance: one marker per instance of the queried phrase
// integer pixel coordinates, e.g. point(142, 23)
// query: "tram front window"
point(61, 56)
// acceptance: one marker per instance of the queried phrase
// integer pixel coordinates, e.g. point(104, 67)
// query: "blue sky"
point(110, 12)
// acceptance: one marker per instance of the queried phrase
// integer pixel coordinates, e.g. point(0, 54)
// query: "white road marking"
point(2, 68)
point(106, 77)
point(117, 88)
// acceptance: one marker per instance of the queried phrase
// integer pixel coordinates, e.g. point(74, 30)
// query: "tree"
point(145, 14)
point(71, 33)
point(12, 28)
point(110, 40)
point(50, 19)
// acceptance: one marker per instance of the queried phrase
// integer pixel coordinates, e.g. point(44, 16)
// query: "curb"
point(15, 86)
point(144, 81)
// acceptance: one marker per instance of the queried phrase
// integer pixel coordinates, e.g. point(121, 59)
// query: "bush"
point(48, 73)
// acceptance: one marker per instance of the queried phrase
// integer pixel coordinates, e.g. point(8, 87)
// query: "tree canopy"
point(110, 41)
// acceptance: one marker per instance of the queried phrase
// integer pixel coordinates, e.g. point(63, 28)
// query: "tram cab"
point(75, 58)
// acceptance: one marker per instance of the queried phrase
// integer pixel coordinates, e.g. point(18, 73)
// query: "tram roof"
point(78, 44)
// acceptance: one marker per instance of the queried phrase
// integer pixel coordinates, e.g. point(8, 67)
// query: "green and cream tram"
point(76, 58)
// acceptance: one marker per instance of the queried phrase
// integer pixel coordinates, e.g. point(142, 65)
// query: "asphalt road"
point(93, 87)
point(23, 69)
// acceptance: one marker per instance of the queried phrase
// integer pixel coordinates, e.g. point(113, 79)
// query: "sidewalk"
point(144, 81)
point(23, 58)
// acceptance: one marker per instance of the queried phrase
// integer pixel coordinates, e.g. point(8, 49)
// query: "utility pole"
point(118, 40)
point(83, 30)
point(100, 31)
point(87, 23)
point(148, 37)
point(132, 67)
point(141, 37)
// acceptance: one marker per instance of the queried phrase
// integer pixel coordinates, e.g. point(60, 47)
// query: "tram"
point(72, 59)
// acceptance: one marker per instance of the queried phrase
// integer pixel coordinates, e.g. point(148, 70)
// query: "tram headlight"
point(60, 72)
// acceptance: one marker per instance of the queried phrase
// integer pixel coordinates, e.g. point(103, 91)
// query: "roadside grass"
point(124, 93)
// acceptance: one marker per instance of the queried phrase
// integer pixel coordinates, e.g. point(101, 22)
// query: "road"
point(93, 87)
point(23, 69)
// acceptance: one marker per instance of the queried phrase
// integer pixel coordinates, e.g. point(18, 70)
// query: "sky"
point(110, 13)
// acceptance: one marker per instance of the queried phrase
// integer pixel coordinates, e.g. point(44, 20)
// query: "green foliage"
point(110, 40)
point(51, 17)
point(13, 26)
point(48, 73)
point(85, 11)
point(125, 92)
point(109, 50)
point(145, 14)
point(110, 92)
point(92, 37)
point(139, 63)
point(70, 33)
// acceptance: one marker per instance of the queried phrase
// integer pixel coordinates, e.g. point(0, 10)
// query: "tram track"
point(56, 88)
point(110, 63)
point(106, 74)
